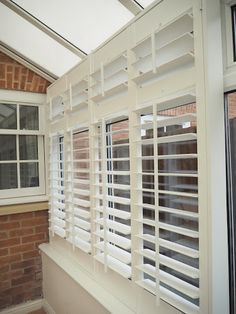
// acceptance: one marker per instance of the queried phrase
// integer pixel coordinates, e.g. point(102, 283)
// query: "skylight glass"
point(145, 3)
point(34, 44)
point(85, 23)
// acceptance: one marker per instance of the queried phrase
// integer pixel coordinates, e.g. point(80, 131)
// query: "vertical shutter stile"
point(155, 153)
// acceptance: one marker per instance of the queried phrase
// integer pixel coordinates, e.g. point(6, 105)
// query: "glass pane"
point(8, 176)
point(29, 174)
point(29, 118)
point(7, 147)
point(28, 147)
point(8, 116)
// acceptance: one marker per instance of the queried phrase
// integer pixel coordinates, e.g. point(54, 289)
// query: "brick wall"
point(20, 261)
point(15, 76)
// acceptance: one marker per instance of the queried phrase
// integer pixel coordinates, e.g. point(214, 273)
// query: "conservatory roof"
point(52, 36)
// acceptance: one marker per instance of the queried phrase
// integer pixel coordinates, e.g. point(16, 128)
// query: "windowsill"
point(85, 281)
point(23, 205)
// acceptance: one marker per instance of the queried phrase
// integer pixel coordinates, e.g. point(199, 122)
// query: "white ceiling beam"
point(43, 27)
point(133, 6)
point(27, 63)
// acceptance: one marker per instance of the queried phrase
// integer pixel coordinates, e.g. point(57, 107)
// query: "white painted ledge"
point(101, 295)
point(24, 308)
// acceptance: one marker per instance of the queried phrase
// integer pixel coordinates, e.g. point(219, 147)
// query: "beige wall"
point(64, 295)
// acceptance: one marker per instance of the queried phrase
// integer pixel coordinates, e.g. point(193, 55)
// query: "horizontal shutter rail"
point(77, 171)
point(147, 237)
point(178, 174)
point(117, 226)
point(58, 213)
point(59, 231)
point(81, 233)
point(115, 173)
point(147, 269)
point(145, 173)
point(179, 212)
point(188, 117)
point(121, 268)
point(177, 138)
point(115, 212)
point(80, 202)
point(116, 252)
point(115, 199)
point(177, 301)
point(147, 284)
point(57, 221)
point(81, 160)
point(80, 212)
point(81, 192)
point(115, 239)
point(58, 196)
point(83, 245)
point(145, 190)
point(180, 285)
point(79, 181)
point(147, 253)
point(80, 223)
point(58, 204)
point(146, 205)
point(178, 156)
point(183, 268)
point(184, 194)
point(144, 126)
point(113, 159)
point(179, 230)
point(176, 247)
point(115, 186)
point(149, 141)
point(148, 222)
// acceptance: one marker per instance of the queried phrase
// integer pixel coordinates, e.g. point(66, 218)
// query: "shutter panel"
point(57, 186)
point(112, 221)
point(168, 204)
point(79, 216)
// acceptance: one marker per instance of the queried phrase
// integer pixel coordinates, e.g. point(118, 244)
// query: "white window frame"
point(31, 194)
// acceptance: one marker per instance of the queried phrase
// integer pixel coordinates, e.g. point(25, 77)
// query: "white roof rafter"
point(43, 27)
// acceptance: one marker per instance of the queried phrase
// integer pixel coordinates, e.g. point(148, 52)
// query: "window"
point(113, 216)
point(231, 183)
point(78, 175)
point(233, 12)
point(21, 151)
point(57, 186)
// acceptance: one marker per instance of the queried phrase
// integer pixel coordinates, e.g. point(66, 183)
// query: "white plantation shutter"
point(168, 203)
point(57, 186)
point(78, 190)
point(112, 181)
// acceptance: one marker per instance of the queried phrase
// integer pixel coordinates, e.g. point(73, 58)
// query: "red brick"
point(3, 235)
point(30, 254)
point(11, 275)
point(9, 242)
point(9, 259)
point(41, 213)
point(4, 269)
point(4, 252)
point(4, 285)
point(4, 218)
point(23, 264)
point(21, 216)
point(9, 225)
point(21, 232)
point(33, 222)
point(22, 279)
point(43, 228)
point(21, 248)
point(33, 238)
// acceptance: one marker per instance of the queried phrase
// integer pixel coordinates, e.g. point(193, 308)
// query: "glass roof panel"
point(145, 3)
point(85, 23)
point(34, 44)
